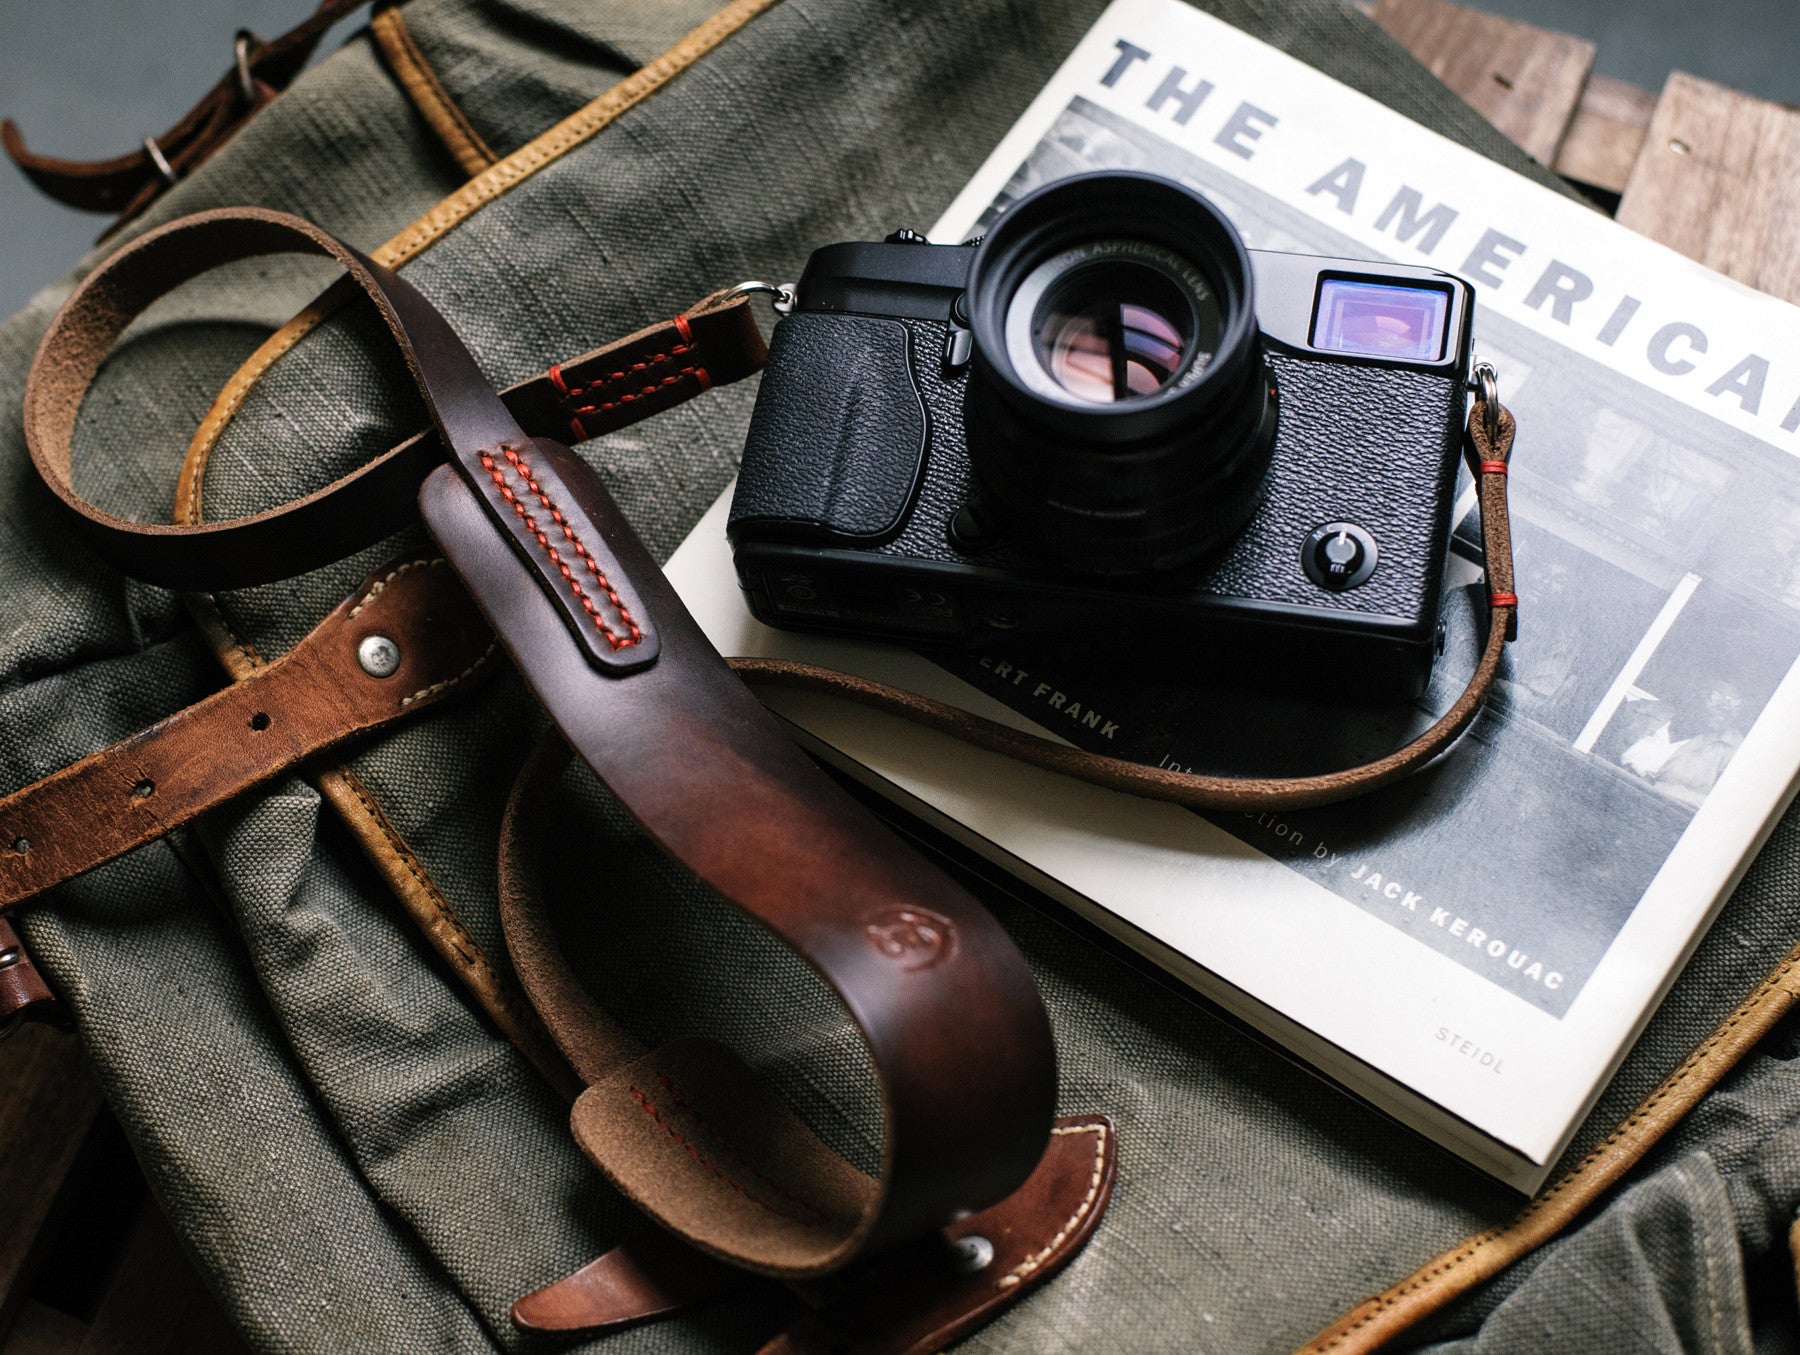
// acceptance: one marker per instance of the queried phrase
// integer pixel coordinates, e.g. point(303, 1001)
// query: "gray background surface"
point(89, 78)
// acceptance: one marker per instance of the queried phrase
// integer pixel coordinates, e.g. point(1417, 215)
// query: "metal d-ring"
point(784, 297)
point(241, 43)
point(161, 161)
point(1485, 382)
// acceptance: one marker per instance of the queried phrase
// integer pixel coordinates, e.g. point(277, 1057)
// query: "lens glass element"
point(1112, 320)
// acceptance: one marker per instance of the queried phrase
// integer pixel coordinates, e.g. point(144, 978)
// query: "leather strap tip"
point(621, 1289)
point(926, 1296)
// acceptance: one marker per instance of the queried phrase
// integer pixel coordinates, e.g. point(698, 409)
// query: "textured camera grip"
point(837, 441)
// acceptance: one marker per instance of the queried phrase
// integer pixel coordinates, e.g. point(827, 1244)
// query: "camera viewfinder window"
point(1381, 320)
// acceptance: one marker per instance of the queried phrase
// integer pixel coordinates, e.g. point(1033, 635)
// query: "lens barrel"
point(1120, 414)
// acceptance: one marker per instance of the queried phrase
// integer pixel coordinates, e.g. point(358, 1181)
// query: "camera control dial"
point(1338, 556)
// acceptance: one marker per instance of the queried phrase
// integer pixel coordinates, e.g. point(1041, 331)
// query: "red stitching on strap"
point(640, 394)
point(687, 337)
point(1503, 599)
point(635, 369)
point(649, 1108)
point(1493, 468)
point(718, 1138)
point(601, 624)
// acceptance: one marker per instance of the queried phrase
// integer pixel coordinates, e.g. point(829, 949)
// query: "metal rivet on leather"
point(971, 1254)
point(379, 656)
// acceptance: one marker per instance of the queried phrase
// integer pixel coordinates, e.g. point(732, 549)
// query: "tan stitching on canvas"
point(462, 942)
point(422, 85)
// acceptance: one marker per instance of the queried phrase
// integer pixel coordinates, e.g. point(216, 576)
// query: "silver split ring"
point(240, 50)
point(784, 297)
point(1485, 382)
point(164, 169)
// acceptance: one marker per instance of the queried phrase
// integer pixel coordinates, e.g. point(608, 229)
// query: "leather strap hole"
point(259, 721)
point(21, 845)
point(144, 789)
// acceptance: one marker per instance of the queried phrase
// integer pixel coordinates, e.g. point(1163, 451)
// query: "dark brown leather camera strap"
point(957, 1036)
point(714, 343)
point(956, 1033)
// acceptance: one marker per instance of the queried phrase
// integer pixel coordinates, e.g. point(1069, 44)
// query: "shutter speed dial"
point(1338, 556)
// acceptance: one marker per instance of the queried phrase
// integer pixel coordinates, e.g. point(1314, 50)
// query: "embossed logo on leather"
point(916, 938)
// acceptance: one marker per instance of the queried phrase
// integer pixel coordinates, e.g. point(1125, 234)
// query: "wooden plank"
point(43, 1330)
point(48, 1102)
point(1526, 81)
point(156, 1304)
point(1719, 179)
point(1606, 133)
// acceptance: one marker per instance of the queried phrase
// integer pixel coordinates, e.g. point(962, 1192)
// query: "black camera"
point(1108, 430)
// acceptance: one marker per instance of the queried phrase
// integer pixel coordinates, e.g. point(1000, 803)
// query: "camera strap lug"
point(1484, 382)
point(783, 298)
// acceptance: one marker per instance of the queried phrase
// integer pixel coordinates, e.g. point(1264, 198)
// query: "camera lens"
point(1119, 413)
point(1109, 321)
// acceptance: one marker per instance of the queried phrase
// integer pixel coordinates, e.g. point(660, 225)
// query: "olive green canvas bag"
point(300, 1007)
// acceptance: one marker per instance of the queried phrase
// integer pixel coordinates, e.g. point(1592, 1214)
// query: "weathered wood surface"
point(70, 1196)
point(1605, 134)
point(48, 1102)
point(1526, 81)
point(1719, 179)
point(156, 1304)
point(1707, 170)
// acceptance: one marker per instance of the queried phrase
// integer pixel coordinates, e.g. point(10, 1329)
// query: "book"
point(1474, 950)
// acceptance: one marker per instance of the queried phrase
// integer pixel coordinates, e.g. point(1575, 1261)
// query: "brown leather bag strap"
point(1488, 458)
point(714, 343)
point(127, 184)
point(24, 996)
point(425, 640)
